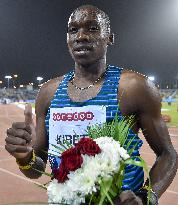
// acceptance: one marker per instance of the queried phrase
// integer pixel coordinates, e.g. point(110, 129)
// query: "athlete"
point(93, 92)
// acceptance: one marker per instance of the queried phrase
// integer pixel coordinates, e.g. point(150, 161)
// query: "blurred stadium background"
point(28, 94)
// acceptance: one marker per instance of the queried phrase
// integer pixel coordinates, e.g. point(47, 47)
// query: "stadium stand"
point(17, 95)
point(169, 95)
point(24, 95)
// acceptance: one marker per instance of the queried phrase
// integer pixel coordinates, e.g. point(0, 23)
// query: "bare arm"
point(40, 145)
point(141, 98)
point(19, 141)
point(155, 131)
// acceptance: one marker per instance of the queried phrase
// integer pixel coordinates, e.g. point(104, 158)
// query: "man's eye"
point(93, 28)
point(72, 30)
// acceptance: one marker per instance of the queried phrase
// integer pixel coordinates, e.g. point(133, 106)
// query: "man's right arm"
point(40, 143)
point(23, 137)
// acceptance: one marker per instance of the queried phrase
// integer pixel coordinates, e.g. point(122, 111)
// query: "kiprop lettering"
point(76, 116)
point(72, 139)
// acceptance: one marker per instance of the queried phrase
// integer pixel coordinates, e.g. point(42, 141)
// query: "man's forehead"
point(85, 15)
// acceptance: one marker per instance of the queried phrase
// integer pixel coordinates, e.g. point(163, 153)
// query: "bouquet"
point(91, 172)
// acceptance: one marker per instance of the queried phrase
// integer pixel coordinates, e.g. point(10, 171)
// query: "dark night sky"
point(33, 37)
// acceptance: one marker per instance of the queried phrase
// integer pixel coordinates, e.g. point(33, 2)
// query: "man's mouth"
point(83, 50)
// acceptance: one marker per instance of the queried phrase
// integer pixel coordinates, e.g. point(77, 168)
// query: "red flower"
point(71, 159)
point(87, 146)
point(61, 173)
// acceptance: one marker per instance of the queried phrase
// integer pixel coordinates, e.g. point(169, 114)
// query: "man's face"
point(87, 36)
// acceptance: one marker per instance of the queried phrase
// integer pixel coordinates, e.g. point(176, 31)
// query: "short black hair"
point(104, 16)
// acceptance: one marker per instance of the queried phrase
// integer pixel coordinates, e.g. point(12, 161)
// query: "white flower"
point(124, 153)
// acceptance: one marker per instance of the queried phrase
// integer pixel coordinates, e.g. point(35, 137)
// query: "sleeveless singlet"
point(65, 120)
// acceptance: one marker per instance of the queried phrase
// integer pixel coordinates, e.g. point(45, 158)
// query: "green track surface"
point(172, 111)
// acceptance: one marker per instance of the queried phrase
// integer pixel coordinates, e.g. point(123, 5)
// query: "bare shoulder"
point(132, 80)
point(137, 91)
point(46, 93)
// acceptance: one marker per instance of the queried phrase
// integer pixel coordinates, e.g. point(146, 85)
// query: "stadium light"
point(152, 78)
point(8, 77)
point(39, 80)
point(14, 79)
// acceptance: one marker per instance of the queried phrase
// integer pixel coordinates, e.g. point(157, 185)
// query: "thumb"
point(28, 114)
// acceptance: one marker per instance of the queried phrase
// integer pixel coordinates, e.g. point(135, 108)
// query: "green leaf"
point(46, 152)
point(131, 161)
point(68, 144)
point(41, 186)
point(107, 188)
point(113, 192)
point(53, 154)
point(132, 149)
point(47, 183)
point(117, 129)
point(108, 197)
point(129, 143)
point(143, 164)
point(91, 199)
point(59, 148)
point(45, 173)
point(78, 136)
point(120, 176)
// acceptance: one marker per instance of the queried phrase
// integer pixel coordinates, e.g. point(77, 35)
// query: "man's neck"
point(89, 73)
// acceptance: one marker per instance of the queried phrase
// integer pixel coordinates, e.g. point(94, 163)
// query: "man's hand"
point(20, 137)
point(128, 198)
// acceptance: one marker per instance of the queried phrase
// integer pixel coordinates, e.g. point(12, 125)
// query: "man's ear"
point(111, 39)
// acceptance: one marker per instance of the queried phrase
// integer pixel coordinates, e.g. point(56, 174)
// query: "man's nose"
point(82, 36)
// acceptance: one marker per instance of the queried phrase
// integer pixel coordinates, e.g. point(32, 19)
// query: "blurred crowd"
point(25, 95)
point(17, 95)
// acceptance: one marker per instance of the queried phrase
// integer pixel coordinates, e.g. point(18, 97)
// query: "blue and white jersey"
point(66, 120)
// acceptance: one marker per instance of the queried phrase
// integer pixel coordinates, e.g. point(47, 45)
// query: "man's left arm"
point(139, 97)
point(156, 133)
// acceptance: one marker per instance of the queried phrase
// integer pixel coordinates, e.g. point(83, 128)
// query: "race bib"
point(70, 124)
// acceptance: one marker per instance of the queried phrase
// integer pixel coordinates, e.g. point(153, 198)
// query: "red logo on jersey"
point(81, 116)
